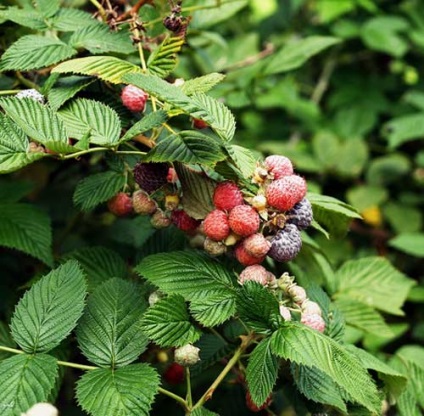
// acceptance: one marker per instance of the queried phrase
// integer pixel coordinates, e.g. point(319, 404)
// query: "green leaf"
point(26, 228)
point(216, 13)
point(214, 310)
point(26, 380)
point(302, 345)
point(167, 323)
point(409, 243)
point(132, 232)
point(109, 333)
point(39, 122)
point(164, 58)
point(201, 84)
point(202, 411)
point(127, 391)
point(100, 39)
point(148, 122)
point(99, 264)
point(47, 7)
point(258, 308)
point(49, 311)
point(14, 147)
point(107, 68)
point(373, 280)
point(243, 159)
point(387, 169)
point(190, 274)
point(69, 20)
point(403, 129)
point(189, 146)
point(296, 53)
point(65, 89)
point(364, 196)
point(84, 116)
point(98, 188)
point(24, 17)
point(33, 52)
point(261, 372)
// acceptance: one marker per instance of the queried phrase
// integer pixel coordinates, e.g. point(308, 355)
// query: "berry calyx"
point(134, 98)
point(143, 204)
point(245, 258)
point(257, 245)
point(254, 273)
point(151, 176)
point(283, 194)
point(301, 214)
point(244, 220)
point(216, 225)
point(279, 166)
point(313, 321)
point(120, 205)
point(227, 195)
point(187, 355)
point(183, 221)
point(286, 244)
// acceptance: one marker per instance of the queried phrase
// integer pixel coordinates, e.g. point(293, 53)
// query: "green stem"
point(12, 350)
point(26, 82)
point(84, 152)
point(177, 398)
point(100, 8)
point(9, 92)
point(130, 152)
point(189, 398)
point(140, 47)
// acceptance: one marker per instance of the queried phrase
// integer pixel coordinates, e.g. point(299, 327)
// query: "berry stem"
point(26, 82)
point(100, 8)
point(139, 46)
point(189, 398)
point(83, 152)
point(174, 396)
point(9, 92)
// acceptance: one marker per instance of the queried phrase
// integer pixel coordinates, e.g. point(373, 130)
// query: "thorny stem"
point(100, 8)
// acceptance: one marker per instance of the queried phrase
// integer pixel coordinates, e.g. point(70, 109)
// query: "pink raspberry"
point(172, 176)
point(255, 273)
point(244, 220)
point(121, 204)
point(283, 194)
point(279, 166)
point(216, 225)
point(134, 98)
point(143, 204)
point(285, 313)
point(311, 308)
point(297, 293)
point(313, 321)
point(257, 245)
point(227, 195)
point(183, 221)
point(245, 258)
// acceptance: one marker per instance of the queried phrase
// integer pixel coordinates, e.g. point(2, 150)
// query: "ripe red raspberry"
point(216, 226)
point(134, 98)
point(245, 258)
point(183, 221)
point(244, 220)
point(120, 204)
point(151, 176)
point(174, 374)
point(227, 195)
point(199, 124)
point(254, 273)
point(313, 321)
point(143, 204)
point(286, 192)
point(255, 408)
point(279, 166)
point(257, 245)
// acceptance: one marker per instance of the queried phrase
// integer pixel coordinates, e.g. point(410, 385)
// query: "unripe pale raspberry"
point(41, 409)
point(32, 94)
point(160, 220)
point(254, 273)
point(36, 148)
point(279, 166)
point(214, 248)
point(183, 221)
point(121, 204)
point(311, 308)
point(257, 245)
point(283, 194)
point(227, 195)
point(301, 214)
point(297, 293)
point(197, 240)
point(216, 225)
point(187, 355)
point(259, 202)
point(285, 313)
point(245, 258)
point(313, 321)
point(172, 201)
point(286, 244)
point(143, 204)
point(134, 98)
point(150, 176)
point(255, 408)
point(244, 220)
point(154, 298)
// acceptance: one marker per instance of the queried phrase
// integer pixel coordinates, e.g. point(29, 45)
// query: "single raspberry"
point(227, 195)
point(154, 298)
point(172, 201)
point(41, 409)
point(120, 204)
point(259, 202)
point(255, 408)
point(254, 273)
point(172, 176)
point(143, 204)
point(279, 166)
point(36, 148)
point(285, 313)
point(174, 374)
point(297, 293)
point(256, 245)
point(216, 225)
point(244, 220)
point(150, 176)
point(183, 221)
point(245, 258)
point(313, 321)
point(187, 355)
point(160, 220)
point(199, 124)
point(286, 192)
point(311, 308)
point(214, 248)
point(286, 244)
point(301, 214)
point(134, 98)
point(32, 94)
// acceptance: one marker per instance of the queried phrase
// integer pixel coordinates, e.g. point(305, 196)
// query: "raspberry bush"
point(158, 261)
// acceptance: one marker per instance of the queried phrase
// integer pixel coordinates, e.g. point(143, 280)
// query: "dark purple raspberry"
point(301, 214)
point(151, 176)
point(286, 244)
